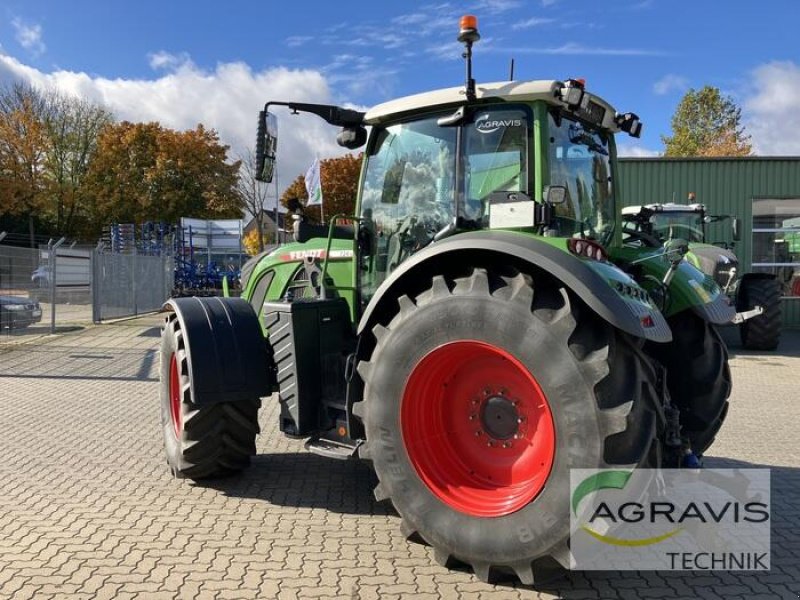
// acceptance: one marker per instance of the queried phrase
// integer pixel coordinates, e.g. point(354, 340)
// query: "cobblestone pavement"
point(88, 510)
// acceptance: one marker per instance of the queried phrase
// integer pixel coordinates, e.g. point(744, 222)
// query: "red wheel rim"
point(175, 396)
point(477, 428)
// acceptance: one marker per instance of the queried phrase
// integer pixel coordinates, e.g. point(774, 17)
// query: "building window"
point(776, 241)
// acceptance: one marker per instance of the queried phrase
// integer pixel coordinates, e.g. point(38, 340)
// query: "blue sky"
point(181, 62)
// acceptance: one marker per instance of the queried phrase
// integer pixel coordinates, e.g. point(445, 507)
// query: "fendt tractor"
point(756, 295)
point(475, 330)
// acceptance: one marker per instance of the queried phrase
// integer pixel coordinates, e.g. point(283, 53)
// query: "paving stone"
point(90, 511)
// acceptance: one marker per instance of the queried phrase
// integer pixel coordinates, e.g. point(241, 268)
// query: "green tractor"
point(756, 295)
point(475, 331)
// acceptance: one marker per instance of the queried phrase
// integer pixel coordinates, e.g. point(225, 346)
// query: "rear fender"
point(598, 284)
point(691, 289)
point(227, 354)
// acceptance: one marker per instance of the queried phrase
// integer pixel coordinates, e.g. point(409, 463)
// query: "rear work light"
point(587, 249)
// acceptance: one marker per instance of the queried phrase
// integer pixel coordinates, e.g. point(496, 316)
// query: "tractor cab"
point(535, 157)
point(655, 224)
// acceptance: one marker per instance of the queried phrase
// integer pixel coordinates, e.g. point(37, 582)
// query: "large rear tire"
point(698, 377)
point(481, 395)
point(200, 441)
point(764, 331)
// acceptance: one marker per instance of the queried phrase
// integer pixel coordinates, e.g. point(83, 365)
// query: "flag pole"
point(277, 207)
point(322, 198)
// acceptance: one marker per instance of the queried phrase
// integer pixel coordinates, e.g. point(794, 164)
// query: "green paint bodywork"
point(689, 286)
point(286, 260)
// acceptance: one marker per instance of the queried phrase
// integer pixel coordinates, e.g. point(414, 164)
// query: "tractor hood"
point(714, 261)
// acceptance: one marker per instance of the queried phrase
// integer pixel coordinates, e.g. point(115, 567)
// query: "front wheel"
point(200, 441)
point(764, 331)
point(481, 395)
point(698, 377)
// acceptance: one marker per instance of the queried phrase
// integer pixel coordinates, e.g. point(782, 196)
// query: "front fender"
point(607, 290)
point(227, 355)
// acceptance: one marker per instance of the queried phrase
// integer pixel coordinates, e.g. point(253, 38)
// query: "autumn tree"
point(146, 172)
point(707, 123)
point(339, 179)
point(23, 148)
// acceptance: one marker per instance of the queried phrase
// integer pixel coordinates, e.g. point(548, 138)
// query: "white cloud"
point(670, 83)
point(576, 49)
point(495, 6)
point(29, 36)
point(532, 22)
point(636, 151)
point(167, 61)
point(293, 41)
point(771, 111)
point(226, 99)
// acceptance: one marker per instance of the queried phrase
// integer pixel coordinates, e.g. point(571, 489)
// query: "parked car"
point(41, 277)
point(17, 312)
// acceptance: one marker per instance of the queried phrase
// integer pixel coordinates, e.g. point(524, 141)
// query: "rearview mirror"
point(352, 137)
point(266, 146)
point(675, 249)
point(736, 229)
point(630, 124)
point(293, 205)
point(555, 194)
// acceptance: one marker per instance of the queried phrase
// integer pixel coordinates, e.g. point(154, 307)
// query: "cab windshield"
point(670, 224)
point(579, 160)
point(411, 191)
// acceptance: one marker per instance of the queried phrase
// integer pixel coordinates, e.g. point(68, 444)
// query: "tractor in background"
point(757, 296)
point(479, 331)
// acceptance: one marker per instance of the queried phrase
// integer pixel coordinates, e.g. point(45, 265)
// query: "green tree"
point(73, 128)
point(707, 123)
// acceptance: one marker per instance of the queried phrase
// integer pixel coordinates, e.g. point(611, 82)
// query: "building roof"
point(270, 214)
point(706, 158)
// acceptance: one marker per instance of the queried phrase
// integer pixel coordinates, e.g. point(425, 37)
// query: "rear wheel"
point(200, 441)
point(764, 331)
point(481, 395)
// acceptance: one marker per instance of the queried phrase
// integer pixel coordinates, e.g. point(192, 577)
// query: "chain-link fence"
point(55, 288)
point(130, 284)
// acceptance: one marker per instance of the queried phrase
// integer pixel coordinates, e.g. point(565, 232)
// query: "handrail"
point(334, 219)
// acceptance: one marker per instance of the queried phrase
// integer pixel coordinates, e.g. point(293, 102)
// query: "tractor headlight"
point(14, 306)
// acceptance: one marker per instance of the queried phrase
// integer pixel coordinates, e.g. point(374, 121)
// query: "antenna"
point(468, 35)
point(511, 71)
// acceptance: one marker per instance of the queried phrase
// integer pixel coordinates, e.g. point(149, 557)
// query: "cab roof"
point(522, 91)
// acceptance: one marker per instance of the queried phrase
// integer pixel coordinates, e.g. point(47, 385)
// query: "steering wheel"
point(648, 240)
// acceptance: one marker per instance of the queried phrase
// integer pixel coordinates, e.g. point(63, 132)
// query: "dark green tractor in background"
point(756, 295)
point(475, 330)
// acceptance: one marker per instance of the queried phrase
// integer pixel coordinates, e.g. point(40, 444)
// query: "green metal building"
point(763, 191)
